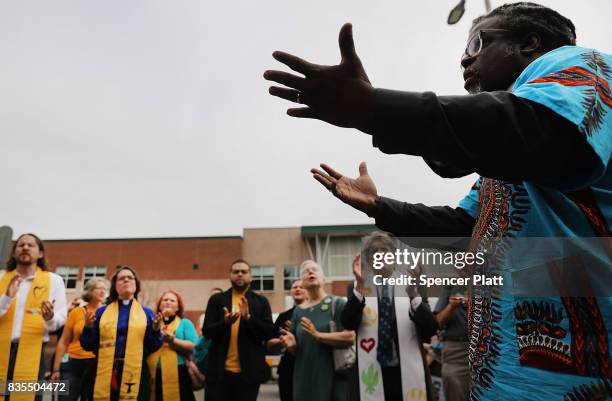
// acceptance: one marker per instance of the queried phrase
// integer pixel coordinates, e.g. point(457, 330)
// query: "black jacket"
point(285, 366)
point(252, 336)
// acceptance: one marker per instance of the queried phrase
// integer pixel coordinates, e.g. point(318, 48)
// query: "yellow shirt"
point(232, 362)
point(76, 322)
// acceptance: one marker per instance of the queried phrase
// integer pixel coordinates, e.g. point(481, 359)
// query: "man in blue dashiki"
point(537, 129)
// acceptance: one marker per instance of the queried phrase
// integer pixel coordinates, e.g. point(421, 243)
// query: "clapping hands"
point(47, 309)
point(158, 321)
point(288, 339)
point(229, 318)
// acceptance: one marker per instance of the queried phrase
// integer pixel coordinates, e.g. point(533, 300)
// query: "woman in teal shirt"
point(169, 365)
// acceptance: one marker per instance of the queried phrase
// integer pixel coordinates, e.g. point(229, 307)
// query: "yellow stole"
point(132, 364)
point(27, 363)
point(169, 367)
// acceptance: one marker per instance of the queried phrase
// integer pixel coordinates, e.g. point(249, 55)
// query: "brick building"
point(194, 266)
point(191, 266)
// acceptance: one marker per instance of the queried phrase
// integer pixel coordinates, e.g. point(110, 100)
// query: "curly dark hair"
point(523, 18)
point(41, 262)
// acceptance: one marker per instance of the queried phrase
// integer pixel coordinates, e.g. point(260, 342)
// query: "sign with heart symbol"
point(367, 344)
point(37, 291)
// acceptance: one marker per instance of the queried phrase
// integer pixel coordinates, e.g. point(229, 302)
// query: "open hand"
point(158, 321)
point(309, 327)
point(359, 192)
point(13, 286)
point(229, 318)
point(47, 309)
point(90, 318)
point(287, 325)
point(288, 339)
point(74, 304)
point(339, 94)
point(244, 308)
point(195, 372)
point(357, 272)
point(167, 336)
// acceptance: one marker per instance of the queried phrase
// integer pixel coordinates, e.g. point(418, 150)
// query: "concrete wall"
point(276, 247)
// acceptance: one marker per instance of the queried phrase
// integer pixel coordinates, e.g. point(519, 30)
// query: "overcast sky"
point(151, 118)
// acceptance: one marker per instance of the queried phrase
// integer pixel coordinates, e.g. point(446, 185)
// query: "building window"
point(263, 278)
point(340, 256)
point(94, 272)
point(69, 274)
point(290, 274)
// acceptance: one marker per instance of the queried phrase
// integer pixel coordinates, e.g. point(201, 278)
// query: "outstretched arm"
point(455, 135)
point(340, 94)
point(399, 218)
point(458, 135)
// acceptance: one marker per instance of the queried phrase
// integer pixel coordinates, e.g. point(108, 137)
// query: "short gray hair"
point(309, 263)
point(90, 285)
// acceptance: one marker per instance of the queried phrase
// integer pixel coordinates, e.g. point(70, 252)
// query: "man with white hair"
point(311, 340)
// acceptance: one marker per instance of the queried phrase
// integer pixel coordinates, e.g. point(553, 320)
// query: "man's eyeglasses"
point(243, 272)
point(474, 45)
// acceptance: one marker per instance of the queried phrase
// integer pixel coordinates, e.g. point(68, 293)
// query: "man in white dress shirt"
point(32, 304)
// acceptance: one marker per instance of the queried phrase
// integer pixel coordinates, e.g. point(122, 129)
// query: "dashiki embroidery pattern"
point(543, 348)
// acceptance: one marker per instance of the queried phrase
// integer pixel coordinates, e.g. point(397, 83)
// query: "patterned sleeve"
point(574, 82)
point(470, 202)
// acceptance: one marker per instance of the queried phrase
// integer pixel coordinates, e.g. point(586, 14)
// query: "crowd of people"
point(111, 347)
